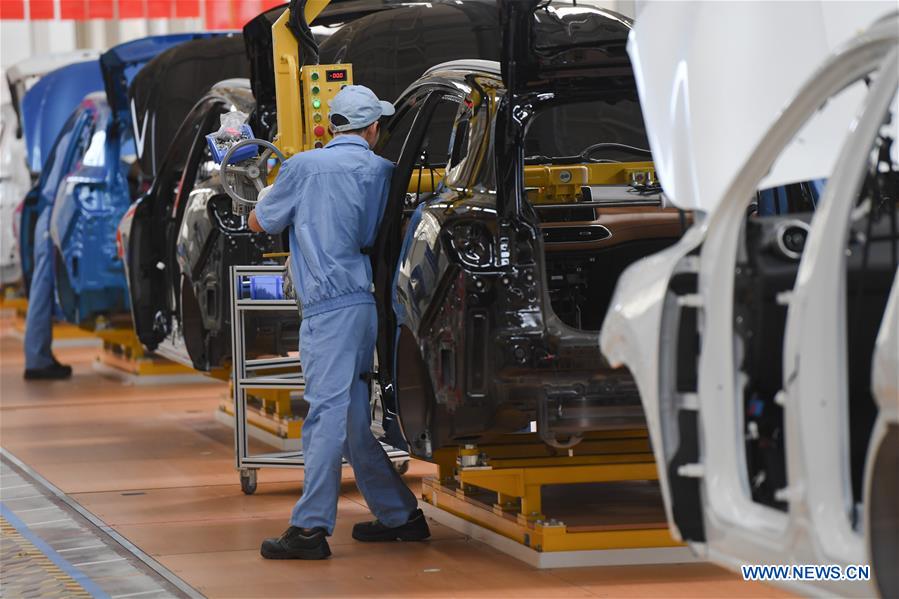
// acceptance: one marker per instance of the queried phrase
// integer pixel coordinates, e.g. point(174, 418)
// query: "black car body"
point(172, 237)
point(165, 91)
point(494, 275)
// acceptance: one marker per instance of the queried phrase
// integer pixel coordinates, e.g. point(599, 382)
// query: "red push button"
point(319, 131)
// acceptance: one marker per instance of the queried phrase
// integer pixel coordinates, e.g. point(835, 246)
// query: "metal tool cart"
point(256, 288)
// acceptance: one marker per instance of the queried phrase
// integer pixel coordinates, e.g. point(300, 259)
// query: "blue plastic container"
point(264, 287)
point(240, 155)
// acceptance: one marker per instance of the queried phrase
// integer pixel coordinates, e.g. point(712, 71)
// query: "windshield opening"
point(607, 130)
point(589, 151)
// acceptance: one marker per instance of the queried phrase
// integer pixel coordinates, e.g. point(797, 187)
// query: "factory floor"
point(149, 466)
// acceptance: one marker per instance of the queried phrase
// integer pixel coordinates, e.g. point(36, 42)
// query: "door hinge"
point(691, 470)
point(788, 493)
point(689, 300)
point(689, 401)
point(689, 264)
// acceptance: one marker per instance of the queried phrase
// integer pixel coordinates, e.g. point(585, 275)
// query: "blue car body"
point(47, 106)
point(91, 197)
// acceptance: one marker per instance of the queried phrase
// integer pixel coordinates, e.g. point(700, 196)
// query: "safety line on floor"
point(59, 561)
point(97, 522)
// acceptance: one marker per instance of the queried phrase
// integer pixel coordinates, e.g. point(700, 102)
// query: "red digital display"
point(335, 75)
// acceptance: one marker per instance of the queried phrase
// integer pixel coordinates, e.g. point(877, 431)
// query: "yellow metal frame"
point(274, 416)
point(553, 184)
point(61, 330)
point(292, 131)
point(123, 351)
point(13, 303)
point(562, 183)
point(518, 469)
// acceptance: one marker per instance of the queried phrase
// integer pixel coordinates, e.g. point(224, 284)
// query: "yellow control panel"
point(319, 84)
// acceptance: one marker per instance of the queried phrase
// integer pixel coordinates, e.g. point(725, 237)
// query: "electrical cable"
point(301, 30)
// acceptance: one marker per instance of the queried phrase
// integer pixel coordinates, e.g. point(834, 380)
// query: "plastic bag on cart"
point(233, 130)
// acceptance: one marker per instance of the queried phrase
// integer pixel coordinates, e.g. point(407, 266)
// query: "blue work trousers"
point(39, 319)
point(336, 348)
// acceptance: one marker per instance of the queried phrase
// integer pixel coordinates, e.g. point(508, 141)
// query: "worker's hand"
point(253, 222)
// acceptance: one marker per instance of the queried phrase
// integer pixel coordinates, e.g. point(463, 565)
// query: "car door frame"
point(33, 200)
point(731, 528)
point(161, 217)
point(388, 246)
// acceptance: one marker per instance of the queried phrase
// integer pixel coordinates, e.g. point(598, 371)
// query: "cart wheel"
point(248, 481)
point(402, 467)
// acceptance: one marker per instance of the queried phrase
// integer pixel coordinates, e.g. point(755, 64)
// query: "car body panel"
point(715, 116)
point(560, 45)
point(821, 395)
point(60, 161)
point(696, 375)
point(88, 272)
point(21, 76)
point(48, 104)
point(121, 63)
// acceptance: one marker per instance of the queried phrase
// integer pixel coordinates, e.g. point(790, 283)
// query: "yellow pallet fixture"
point(514, 473)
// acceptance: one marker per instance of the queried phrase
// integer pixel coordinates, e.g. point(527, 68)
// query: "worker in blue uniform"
point(40, 364)
point(332, 199)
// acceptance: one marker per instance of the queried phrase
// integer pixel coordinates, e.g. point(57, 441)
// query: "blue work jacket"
point(333, 199)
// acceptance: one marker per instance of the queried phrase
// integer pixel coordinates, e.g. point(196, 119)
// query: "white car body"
point(728, 113)
point(15, 178)
point(14, 184)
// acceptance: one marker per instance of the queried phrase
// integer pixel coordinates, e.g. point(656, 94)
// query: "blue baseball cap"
point(356, 107)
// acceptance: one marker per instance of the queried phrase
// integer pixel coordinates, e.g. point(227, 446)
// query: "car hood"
point(166, 89)
point(714, 76)
point(47, 106)
point(121, 63)
point(20, 76)
point(549, 46)
point(40, 65)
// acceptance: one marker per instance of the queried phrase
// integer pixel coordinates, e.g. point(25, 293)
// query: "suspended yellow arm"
point(292, 133)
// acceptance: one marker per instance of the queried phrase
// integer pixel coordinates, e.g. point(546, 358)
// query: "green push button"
point(314, 76)
point(316, 104)
point(315, 90)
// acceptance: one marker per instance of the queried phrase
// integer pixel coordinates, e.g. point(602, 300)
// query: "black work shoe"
point(53, 372)
point(416, 529)
point(297, 543)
